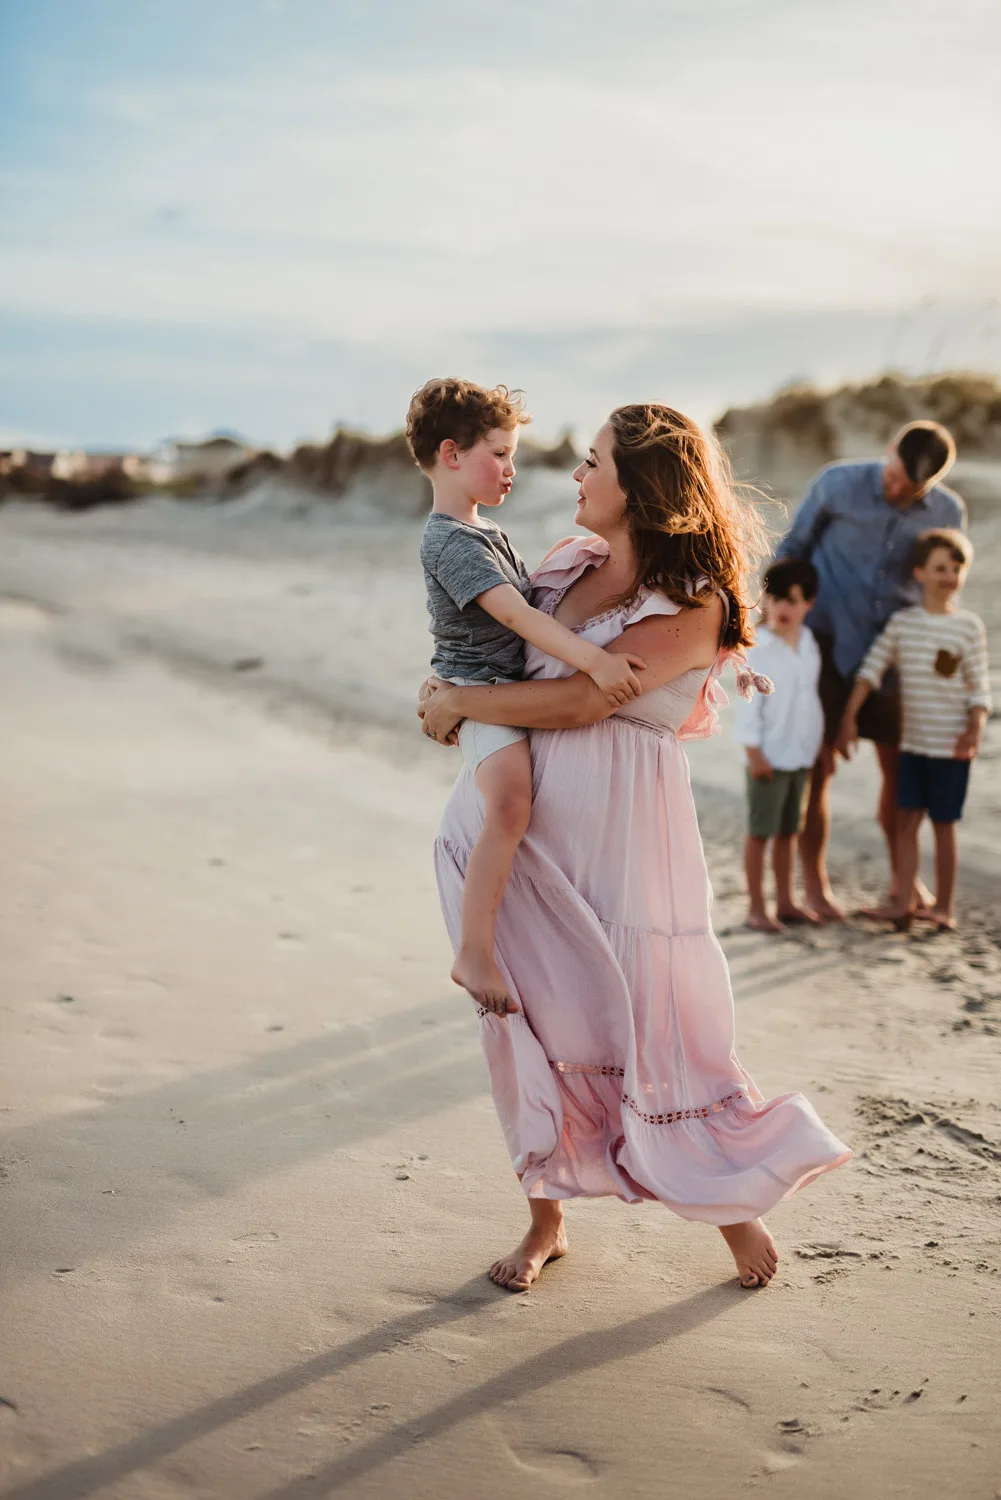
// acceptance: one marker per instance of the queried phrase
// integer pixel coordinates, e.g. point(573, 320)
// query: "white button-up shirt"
point(788, 725)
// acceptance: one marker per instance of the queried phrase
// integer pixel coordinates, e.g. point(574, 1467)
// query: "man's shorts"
point(776, 806)
point(928, 783)
point(879, 716)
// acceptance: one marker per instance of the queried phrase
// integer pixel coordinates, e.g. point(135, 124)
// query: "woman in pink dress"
point(616, 1073)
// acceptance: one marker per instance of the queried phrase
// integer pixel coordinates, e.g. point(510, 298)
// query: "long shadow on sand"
point(160, 1150)
point(574, 1356)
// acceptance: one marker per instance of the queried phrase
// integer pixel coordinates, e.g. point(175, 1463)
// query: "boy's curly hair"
point(459, 410)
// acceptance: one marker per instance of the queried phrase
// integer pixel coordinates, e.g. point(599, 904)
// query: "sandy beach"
point(250, 1173)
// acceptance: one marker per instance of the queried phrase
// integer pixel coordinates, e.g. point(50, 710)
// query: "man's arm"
point(811, 519)
point(870, 674)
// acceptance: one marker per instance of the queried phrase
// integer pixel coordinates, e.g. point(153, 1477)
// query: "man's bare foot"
point(823, 903)
point(794, 914)
point(753, 1249)
point(545, 1241)
point(477, 973)
point(760, 921)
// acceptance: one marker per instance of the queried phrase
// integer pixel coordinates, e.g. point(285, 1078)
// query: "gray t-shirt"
point(460, 563)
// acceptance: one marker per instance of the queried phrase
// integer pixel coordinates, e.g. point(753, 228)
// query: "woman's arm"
point(669, 644)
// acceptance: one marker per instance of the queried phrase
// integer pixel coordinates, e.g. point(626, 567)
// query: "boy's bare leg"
point(909, 822)
point(754, 869)
point(814, 840)
point(946, 863)
point(504, 780)
point(546, 1240)
point(786, 909)
point(887, 817)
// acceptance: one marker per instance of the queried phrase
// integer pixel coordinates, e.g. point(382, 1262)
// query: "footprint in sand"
point(563, 1464)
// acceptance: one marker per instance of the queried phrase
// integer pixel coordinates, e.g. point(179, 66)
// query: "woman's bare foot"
point(760, 921)
point(796, 914)
point(477, 973)
point(546, 1240)
point(753, 1249)
point(823, 903)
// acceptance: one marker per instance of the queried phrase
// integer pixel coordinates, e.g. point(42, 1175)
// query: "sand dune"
point(250, 1173)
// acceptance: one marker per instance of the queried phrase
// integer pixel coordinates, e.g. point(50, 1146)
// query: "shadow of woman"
point(571, 1357)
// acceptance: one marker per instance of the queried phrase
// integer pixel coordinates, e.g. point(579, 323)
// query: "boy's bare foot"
point(477, 973)
point(922, 903)
point(760, 921)
point(544, 1242)
point(889, 912)
point(794, 914)
point(753, 1249)
point(821, 901)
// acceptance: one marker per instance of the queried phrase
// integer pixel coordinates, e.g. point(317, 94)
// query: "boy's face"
point(783, 615)
point(486, 470)
point(942, 575)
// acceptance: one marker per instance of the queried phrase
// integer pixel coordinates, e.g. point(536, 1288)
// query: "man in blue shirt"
point(857, 524)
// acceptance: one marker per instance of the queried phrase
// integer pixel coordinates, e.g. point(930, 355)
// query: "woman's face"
point(601, 502)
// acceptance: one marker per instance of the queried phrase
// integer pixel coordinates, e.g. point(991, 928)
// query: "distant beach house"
point(178, 461)
point(83, 467)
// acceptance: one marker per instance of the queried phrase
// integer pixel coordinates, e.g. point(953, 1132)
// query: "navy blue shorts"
point(937, 787)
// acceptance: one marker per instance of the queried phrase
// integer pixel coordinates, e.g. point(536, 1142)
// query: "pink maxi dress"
point(619, 1075)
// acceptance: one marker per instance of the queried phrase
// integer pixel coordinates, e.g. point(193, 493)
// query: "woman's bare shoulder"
point(674, 643)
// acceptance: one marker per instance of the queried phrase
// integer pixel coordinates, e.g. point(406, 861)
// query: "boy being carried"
point(464, 439)
point(940, 653)
point(781, 735)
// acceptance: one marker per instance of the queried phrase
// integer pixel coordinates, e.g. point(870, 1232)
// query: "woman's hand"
point(439, 722)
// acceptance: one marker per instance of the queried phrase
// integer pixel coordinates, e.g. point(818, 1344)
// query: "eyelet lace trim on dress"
point(671, 1116)
point(665, 1117)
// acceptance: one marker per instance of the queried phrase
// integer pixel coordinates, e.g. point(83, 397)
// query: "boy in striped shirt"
point(940, 653)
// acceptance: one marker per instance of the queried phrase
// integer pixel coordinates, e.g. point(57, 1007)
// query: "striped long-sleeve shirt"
point(942, 663)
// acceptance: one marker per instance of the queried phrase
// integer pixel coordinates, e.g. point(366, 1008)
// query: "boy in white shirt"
point(781, 735)
point(940, 653)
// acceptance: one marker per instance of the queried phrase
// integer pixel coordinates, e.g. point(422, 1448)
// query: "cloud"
point(402, 177)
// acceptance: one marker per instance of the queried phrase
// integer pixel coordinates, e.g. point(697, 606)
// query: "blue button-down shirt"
point(861, 546)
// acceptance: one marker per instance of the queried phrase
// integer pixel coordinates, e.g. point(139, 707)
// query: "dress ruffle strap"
point(564, 566)
point(703, 722)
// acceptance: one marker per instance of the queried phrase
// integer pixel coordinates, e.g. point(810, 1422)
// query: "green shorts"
point(776, 806)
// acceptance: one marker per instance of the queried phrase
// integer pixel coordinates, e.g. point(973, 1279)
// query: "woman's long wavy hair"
point(686, 518)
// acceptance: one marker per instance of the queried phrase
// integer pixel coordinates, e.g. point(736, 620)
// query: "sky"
point(271, 216)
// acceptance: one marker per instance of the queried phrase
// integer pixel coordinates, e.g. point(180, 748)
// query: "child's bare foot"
point(944, 920)
point(922, 902)
point(796, 914)
point(544, 1242)
point(821, 901)
point(753, 1249)
point(760, 921)
point(477, 973)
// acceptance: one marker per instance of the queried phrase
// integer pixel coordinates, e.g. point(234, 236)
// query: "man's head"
point(940, 561)
point(465, 436)
point(920, 455)
point(790, 587)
